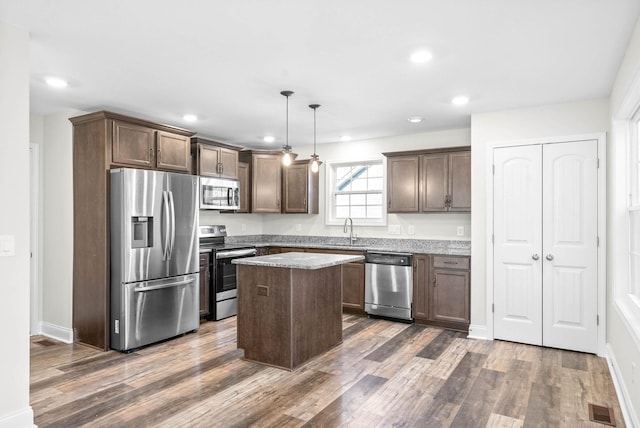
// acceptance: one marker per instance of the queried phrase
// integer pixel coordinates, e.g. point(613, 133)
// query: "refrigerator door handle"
point(167, 225)
point(173, 224)
point(159, 286)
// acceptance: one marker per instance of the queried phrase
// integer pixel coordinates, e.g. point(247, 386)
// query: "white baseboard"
point(628, 413)
point(53, 331)
point(20, 419)
point(477, 331)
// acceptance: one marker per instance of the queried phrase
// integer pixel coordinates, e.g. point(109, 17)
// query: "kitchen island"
point(289, 306)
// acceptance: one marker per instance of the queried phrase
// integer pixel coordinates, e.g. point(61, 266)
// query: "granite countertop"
point(295, 260)
point(414, 246)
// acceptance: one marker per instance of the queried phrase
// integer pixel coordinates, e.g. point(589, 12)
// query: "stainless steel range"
point(223, 285)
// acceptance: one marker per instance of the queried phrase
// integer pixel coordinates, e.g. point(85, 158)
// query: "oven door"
point(226, 291)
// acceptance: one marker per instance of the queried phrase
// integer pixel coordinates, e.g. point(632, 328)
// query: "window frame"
point(625, 201)
point(330, 207)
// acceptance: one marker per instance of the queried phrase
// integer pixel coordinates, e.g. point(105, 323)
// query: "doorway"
point(545, 244)
point(34, 199)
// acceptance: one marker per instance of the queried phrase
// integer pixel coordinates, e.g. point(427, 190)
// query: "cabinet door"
point(174, 152)
point(245, 188)
point(449, 297)
point(228, 163)
point(266, 177)
point(208, 160)
point(420, 286)
point(296, 188)
point(205, 278)
point(435, 181)
point(460, 181)
point(132, 145)
point(353, 286)
point(402, 184)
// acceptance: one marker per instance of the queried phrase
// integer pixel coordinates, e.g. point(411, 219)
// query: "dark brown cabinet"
point(429, 180)
point(447, 182)
point(352, 277)
point(214, 159)
point(139, 146)
point(102, 141)
point(299, 189)
point(205, 285)
point(420, 289)
point(402, 183)
point(441, 292)
point(245, 187)
point(265, 170)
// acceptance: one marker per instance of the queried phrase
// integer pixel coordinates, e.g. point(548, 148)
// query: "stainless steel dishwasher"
point(388, 285)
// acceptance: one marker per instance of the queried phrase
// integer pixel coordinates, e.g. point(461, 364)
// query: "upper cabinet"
point(214, 159)
point(245, 186)
point(265, 172)
point(299, 188)
point(137, 144)
point(273, 188)
point(429, 180)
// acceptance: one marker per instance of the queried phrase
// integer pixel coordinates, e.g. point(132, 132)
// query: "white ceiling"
point(227, 61)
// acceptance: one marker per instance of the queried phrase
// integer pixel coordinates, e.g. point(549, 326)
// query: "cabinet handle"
point(159, 156)
point(305, 202)
point(278, 201)
point(434, 281)
point(389, 203)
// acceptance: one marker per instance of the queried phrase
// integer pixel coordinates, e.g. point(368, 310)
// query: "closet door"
point(570, 206)
point(517, 226)
point(545, 245)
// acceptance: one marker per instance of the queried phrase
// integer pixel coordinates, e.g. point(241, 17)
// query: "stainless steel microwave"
point(219, 193)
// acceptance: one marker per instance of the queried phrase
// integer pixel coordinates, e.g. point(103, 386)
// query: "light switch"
point(411, 230)
point(7, 245)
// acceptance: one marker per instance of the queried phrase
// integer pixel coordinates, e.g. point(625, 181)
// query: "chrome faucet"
point(352, 237)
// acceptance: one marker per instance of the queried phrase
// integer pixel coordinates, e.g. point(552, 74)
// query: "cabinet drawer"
point(451, 262)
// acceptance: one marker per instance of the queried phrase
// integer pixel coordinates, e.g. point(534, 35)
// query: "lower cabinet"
point(353, 287)
point(205, 281)
point(442, 291)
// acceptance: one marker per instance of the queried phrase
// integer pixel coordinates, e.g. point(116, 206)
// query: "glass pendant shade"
point(286, 149)
point(315, 164)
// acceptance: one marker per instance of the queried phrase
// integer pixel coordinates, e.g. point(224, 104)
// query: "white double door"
point(546, 244)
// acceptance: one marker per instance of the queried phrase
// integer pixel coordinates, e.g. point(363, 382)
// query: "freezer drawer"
point(152, 311)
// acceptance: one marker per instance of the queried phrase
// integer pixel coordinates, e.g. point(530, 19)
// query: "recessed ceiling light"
point(415, 119)
point(345, 138)
point(190, 117)
point(269, 139)
point(56, 82)
point(460, 100)
point(420, 57)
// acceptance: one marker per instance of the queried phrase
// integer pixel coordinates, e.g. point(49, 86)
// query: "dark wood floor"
point(384, 374)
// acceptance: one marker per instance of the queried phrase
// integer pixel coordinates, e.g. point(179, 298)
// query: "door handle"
point(549, 257)
point(535, 257)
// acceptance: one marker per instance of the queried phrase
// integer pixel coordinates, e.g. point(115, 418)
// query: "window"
point(356, 190)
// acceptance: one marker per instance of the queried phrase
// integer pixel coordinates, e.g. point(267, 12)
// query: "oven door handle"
point(236, 253)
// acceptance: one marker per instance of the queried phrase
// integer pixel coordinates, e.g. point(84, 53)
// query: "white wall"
point(624, 345)
point(57, 244)
point(14, 220)
point(427, 226)
point(574, 118)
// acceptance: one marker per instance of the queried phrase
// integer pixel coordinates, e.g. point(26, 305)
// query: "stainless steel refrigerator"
point(154, 256)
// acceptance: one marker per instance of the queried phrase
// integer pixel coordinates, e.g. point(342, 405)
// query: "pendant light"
point(314, 157)
point(286, 149)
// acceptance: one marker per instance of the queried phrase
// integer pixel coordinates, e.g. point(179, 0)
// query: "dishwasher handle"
point(393, 259)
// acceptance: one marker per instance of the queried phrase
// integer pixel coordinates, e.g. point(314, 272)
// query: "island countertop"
point(295, 260)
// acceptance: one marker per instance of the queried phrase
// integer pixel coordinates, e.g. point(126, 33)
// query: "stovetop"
point(212, 237)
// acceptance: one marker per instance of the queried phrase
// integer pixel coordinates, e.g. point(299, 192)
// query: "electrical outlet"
point(243, 227)
point(395, 229)
point(460, 231)
point(411, 230)
point(298, 227)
